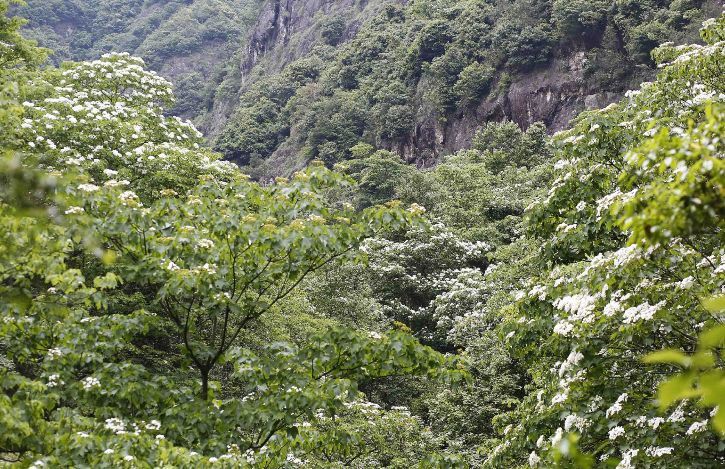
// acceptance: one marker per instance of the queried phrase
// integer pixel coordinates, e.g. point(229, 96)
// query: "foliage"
point(132, 263)
point(165, 34)
point(431, 60)
point(160, 308)
point(630, 240)
point(446, 284)
point(702, 378)
point(332, 30)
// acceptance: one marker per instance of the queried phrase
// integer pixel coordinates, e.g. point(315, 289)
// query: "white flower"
point(539, 291)
point(563, 328)
point(559, 398)
point(128, 457)
point(114, 183)
point(626, 462)
point(91, 382)
point(153, 425)
point(697, 427)
point(54, 381)
point(579, 306)
point(686, 283)
point(595, 403)
point(416, 209)
point(707, 165)
point(88, 188)
point(575, 421)
point(534, 459)
point(110, 172)
point(556, 438)
point(565, 228)
point(108, 451)
point(617, 406)
point(74, 210)
point(571, 361)
point(205, 243)
point(213, 459)
point(656, 452)
point(170, 266)
point(129, 198)
point(655, 422)
point(612, 308)
point(115, 425)
point(616, 432)
point(678, 415)
point(54, 352)
point(645, 311)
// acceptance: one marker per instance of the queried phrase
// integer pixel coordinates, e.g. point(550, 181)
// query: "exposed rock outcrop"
point(553, 95)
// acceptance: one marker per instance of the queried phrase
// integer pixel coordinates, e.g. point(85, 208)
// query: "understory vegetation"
point(532, 301)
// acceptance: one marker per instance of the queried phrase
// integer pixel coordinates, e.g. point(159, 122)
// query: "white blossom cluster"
point(605, 308)
point(106, 116)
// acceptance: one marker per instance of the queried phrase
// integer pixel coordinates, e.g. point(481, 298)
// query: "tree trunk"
point(204, 384)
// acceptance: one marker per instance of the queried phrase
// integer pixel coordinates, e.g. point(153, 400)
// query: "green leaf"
point(675, 388)
point(668, 356)
point(715, 304)
point(713, 337)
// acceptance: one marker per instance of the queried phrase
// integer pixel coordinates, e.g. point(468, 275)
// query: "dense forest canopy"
point(192, 42)
point(417, 66)
point(532, 300)
point(311, 79)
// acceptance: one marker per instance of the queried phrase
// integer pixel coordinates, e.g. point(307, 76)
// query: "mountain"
point(275, 83)
point(192, 43)
point(419, 77)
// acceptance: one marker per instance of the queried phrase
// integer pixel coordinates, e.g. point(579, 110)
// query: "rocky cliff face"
point(286, 30)
point(215, 50)
point(188, 42)
point(553, 95)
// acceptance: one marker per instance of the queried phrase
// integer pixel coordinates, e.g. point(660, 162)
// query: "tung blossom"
point(617, 406)
point(656, 452)
point(697, 427)
point(616, 432)
point(205, 243)
point(90, 382)
point(74, 210)
point(88, 188)
point(645, 311)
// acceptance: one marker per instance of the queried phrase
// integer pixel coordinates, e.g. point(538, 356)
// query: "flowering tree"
point(121, 240)
point(631, 242)
point(217, 259)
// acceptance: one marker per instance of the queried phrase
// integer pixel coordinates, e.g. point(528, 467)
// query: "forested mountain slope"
point(278, 82)
point(191, 43)
point(419, 77)
point(531, 301)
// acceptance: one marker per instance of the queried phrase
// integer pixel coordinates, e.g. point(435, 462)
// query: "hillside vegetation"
point(192, 43)
point(417, 76)
point(533, 300)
